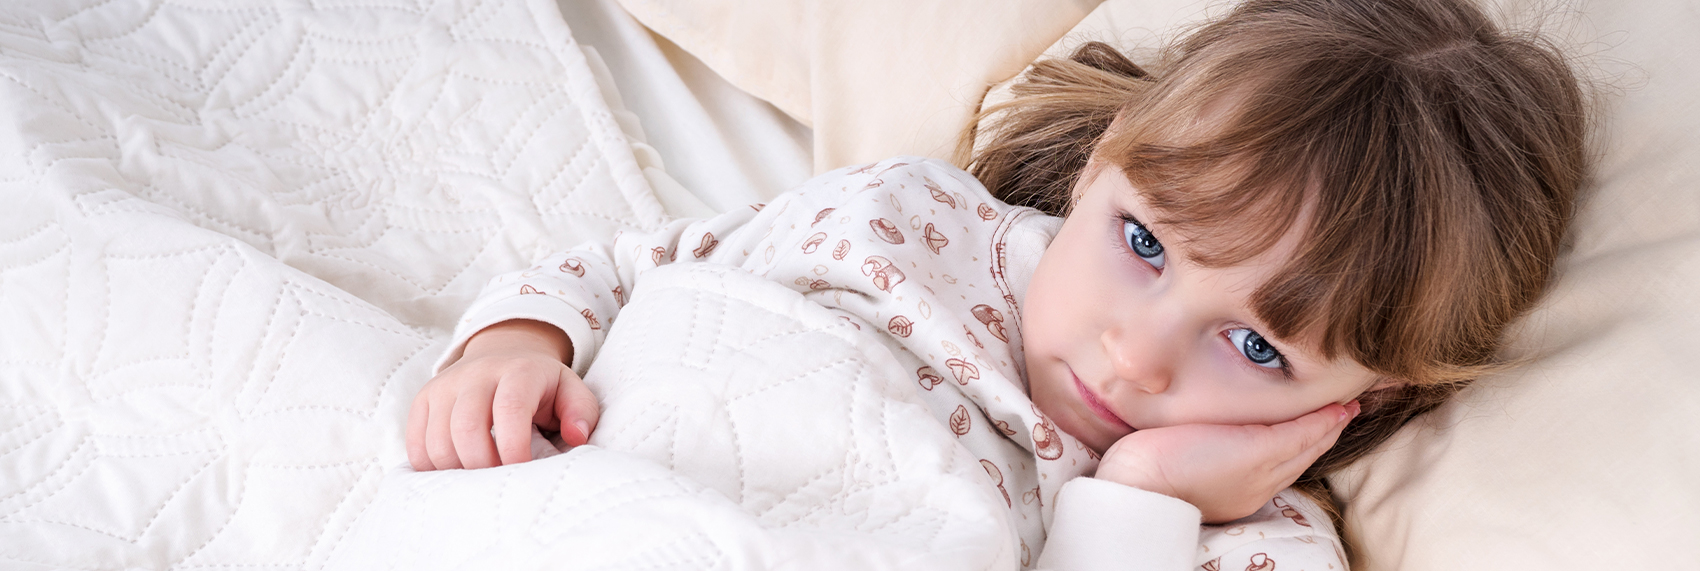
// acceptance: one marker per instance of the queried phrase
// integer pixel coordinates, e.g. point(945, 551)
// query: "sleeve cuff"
point(1104, 525)
point(545, 308)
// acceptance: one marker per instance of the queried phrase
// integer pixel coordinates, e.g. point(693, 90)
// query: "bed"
point(236, 235)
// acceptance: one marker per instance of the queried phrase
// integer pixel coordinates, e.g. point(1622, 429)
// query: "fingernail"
point(583, 429)
point(1354, 408)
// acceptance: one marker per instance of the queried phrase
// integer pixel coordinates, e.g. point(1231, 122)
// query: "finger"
point(1304, 458)
point(469, 426)
point(577, 408)
point(1298, 435)
point(439, 446)
point(416, 418)
point(514, 407)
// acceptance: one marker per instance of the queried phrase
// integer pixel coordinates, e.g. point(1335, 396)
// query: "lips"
point(1097, 406)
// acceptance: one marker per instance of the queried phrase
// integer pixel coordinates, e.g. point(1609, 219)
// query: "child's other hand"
point(1228, 472)
point(512, 375)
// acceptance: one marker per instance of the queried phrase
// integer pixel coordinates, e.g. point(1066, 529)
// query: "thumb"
point(577, 408)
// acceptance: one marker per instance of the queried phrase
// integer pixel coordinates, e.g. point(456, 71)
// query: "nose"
point(1142, 355)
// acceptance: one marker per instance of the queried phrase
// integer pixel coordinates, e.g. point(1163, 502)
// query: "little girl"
point(1310, 223)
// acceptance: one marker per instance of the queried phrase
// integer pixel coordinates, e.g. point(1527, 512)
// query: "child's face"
point(1122, 332)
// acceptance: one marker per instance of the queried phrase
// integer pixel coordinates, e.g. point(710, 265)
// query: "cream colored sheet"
point(722, 146)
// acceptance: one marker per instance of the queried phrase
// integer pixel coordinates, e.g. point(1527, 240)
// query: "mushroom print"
point(573, 266)
point(1003, 427)
point(885, 274)
point(819, 216)
point(997, 478)
point(814, 242)
point(1291, 512)
point(708, 244)
point(1261, 562)
point(527, 289)
point(993, 319)
point(590, 317)
point(934, 239)
point(963, 371)
point(929, 377)
point(900, 326)
point(1046, 442)
point(886, 230)
point(619, 295)
point(1212, 565)
point(960, 422)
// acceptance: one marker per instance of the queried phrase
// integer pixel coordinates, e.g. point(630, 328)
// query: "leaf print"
point(708, 244)
point(619, 295)
point(963, 371)
point(934, 239)
point(813, 242)
point(842, 250)
point(986, 212)
point(590, 317)
point(886, 230)
point(997, 478)
point(819, 216)
point(960, 422)
point(657, 254)
point(939, 194)
point(900, 326)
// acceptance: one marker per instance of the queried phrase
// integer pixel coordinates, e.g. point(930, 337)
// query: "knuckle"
point(464, 429)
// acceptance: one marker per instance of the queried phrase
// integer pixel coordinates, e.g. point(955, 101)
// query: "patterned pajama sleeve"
point(581, 290)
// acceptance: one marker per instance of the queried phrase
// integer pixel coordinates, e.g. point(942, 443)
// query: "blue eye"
point(1143, 243)
point(1255, 348)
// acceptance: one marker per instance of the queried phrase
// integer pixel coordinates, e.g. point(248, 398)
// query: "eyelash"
point(1286, 367)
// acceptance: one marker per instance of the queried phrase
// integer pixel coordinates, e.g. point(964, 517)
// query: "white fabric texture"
point(234, 236)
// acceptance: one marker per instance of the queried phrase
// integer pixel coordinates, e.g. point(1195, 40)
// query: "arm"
point(516, 358)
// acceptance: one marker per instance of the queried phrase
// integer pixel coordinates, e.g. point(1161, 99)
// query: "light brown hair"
point(1438, 155)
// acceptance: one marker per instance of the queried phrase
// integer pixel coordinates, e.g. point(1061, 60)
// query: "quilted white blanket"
point(234, 237)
